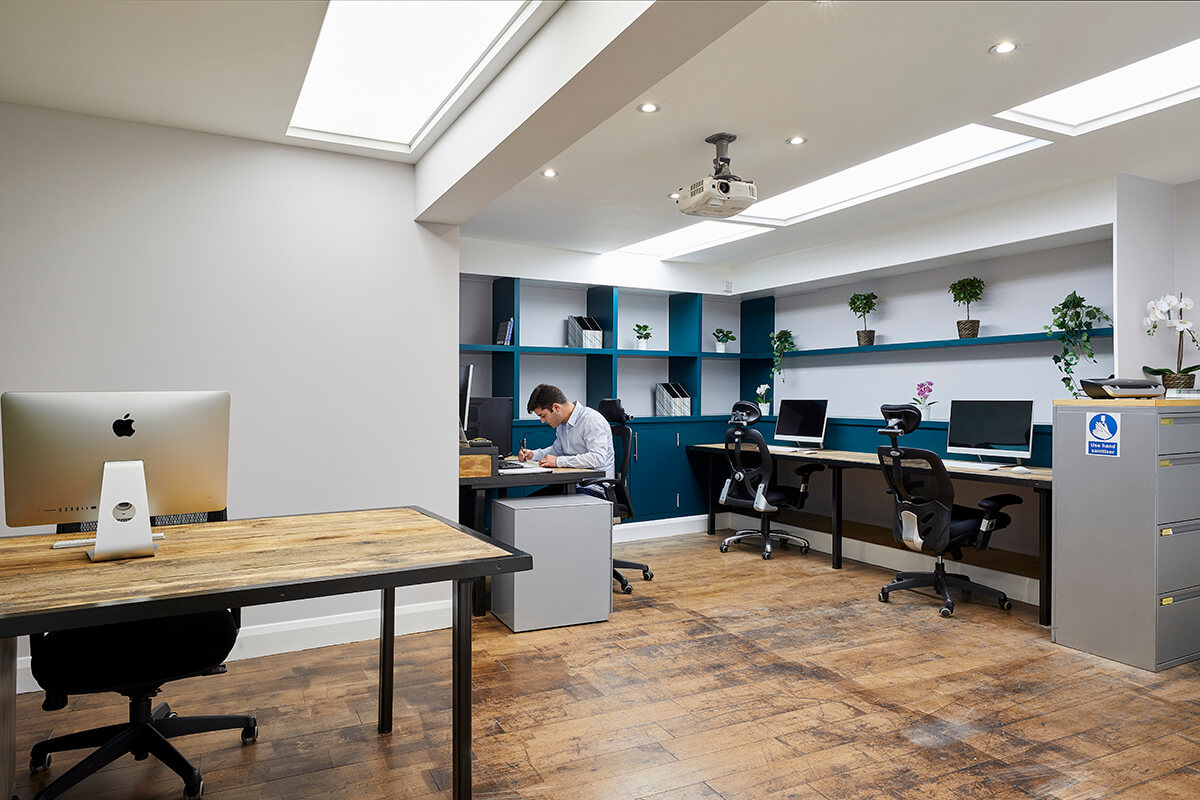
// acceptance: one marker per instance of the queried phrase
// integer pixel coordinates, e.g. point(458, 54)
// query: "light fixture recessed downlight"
point(1001, 48)
point(674, 195)
point(795, 140)
point(549, 172)
point(649, 108)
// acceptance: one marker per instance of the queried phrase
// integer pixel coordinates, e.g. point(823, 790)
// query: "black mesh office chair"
point(751, 481)
point(616, 488)
point(134, 659)
point(924, 515)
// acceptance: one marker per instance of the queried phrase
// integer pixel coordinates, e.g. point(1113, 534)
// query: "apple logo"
point(123, 426)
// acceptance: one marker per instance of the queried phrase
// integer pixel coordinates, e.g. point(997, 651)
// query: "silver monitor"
point(991, 428)
point(801, 421)
point(57, 444)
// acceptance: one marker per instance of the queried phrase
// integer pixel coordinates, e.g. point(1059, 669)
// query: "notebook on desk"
point(522, 467)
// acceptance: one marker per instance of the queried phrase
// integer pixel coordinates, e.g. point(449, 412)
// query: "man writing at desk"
point(582, 436)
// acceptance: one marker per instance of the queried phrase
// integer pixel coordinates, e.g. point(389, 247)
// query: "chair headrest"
point(611, 409)
point(745, 413)
point(904, 418)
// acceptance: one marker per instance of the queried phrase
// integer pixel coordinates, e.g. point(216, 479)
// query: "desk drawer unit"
point(1126, 546)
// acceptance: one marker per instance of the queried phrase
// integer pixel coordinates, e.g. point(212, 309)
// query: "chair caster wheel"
point(1006, 604)
point(193, 793)
point(250, 734)
point(946, 611)
point(647, 575)
point(883, 597)
point(766, 555)
point(724, 548)
point(627, 589)
point(804, 549)
point(39, 765)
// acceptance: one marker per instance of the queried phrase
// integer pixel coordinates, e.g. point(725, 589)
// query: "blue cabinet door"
point(652, 473)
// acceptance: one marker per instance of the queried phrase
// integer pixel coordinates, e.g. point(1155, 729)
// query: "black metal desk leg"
point(712, 496)
point(1045, 519)
point(479, 523)
point(387, 651)
point(460, 692)
point(837, 516)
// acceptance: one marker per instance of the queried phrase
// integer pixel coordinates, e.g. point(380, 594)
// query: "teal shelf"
point(1012, 338)
point(556, 351)
point(659, 353)
point(486, 348)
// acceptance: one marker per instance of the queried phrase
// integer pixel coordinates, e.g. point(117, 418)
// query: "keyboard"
point(975, 465)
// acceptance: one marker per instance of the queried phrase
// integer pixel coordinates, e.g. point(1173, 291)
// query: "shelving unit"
point(1012, 338)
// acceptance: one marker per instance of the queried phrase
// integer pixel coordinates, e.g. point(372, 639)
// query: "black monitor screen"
point(991, 427)
point(801, 421)
point(465, 373)
point(491, 418)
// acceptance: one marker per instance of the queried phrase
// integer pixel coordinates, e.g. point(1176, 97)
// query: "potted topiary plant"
point(862, 304)
point(1072, 322)
point(722, 336)
point(781, 343)
point(643, 335)
point(1168, 310)
point(965, 292)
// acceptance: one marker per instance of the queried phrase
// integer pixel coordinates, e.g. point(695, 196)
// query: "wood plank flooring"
point(725, 678)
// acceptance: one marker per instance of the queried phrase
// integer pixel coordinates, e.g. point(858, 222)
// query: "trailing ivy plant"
point(781, 342)
point(862, 304)
point(967, 291)
point(1072, 322)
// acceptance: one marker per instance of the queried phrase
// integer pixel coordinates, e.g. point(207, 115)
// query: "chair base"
point(942, 582)
point(769, 539)
point(620, 579)
point(145, 734)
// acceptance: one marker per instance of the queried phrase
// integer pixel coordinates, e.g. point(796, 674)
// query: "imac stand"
point(123, 520)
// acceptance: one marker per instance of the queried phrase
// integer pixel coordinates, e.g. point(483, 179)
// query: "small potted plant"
point(921, 400)
point(643, 335)
point(764, 405)
point(861, 304)
point(966, 291)
point(722, 336)
point(781, 344)
point(1168, 310)
point(1072, 322)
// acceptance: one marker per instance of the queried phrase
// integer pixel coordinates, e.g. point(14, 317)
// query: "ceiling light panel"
point(1149, 85)
point(949, 153)
point(382, 72)
point(700, 236)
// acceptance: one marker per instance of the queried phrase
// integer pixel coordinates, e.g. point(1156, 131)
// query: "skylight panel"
point(947, 154)
point(700, 236)
point(383, 73)
point(1149, 85)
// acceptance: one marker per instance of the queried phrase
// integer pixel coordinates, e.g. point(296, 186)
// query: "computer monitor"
point(68, 456)
point(801, 421)
point(465, 373)
point(991, 428)
point(492, 418)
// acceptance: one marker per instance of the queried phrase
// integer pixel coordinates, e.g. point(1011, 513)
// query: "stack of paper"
point(671, 400)
point(584, 332)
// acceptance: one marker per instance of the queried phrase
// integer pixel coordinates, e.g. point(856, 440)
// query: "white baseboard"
point(1017, 587)
point(659, 528)
point(305, 634)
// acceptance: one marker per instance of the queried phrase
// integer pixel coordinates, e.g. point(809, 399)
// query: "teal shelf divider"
point(1012, 338)
point(660, 353)
point(564, 350)
point(486, 348)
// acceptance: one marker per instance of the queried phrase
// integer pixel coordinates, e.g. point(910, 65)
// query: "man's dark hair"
point(544, 395)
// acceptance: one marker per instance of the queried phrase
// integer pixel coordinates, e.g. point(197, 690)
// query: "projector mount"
point(721, 162)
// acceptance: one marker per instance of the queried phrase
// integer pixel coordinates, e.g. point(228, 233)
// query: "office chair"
point(751, 485)
point(134, 659)
point(616, 488)
point(924, 515)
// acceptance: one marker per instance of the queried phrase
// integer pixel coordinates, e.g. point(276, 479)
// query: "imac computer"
point(802, 422)
point(115, 458)
point(465, 374)
point(991, 428)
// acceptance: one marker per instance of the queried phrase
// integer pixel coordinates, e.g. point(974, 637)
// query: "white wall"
point(1144, 270)
point(139, 257)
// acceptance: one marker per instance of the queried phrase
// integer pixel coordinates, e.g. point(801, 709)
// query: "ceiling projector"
point(721, 194)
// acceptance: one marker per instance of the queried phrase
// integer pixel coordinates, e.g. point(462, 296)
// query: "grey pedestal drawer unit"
point(1127, 530)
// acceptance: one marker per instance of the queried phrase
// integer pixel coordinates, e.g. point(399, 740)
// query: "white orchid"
point(1186, 303)
point(1182, 325)
point(762, 390)
point(1167, 303)
point(1169, 308)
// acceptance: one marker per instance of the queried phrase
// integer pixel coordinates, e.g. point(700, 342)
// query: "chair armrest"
point(805, 471)
point(608, 483)
point(998, 501)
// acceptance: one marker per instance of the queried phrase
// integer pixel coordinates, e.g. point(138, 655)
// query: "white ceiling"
point(859, 79)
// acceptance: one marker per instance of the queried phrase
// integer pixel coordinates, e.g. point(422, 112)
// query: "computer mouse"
point(1021, 470)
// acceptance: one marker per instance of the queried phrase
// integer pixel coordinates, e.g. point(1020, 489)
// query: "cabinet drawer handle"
point(1166, 601)
point(1166, 532)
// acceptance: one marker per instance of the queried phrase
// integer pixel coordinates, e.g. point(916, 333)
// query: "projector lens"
point(723, 186)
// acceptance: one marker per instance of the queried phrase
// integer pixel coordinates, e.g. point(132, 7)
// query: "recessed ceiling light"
point(549, 173)
point(1149, 85)
point(796, 140)
point(674, 195)
point(700, 236)
point(649, 108)
point(1000, 48)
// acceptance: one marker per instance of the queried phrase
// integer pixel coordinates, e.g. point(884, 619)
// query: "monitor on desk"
point(991, 428)
point(801, 421)
point(465, 373)
point(491, 418)
point(69, 456)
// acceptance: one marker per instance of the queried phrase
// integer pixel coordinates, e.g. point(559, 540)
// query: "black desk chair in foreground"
point(616, 488)
point(925, 517)
point(751, 485)
point(134, 659)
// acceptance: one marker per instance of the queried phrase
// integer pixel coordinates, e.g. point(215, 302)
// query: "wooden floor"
point(725, 677)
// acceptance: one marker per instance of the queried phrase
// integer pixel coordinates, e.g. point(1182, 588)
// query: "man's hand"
point(524, 455)
point(548, 461)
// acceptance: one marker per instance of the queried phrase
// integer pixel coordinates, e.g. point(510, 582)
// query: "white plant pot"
point(720, 347)
point(765, 409)
point(641, 344)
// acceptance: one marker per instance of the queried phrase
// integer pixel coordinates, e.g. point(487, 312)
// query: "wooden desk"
point(253, 562)
point(472, 502)
point(1039, 479)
